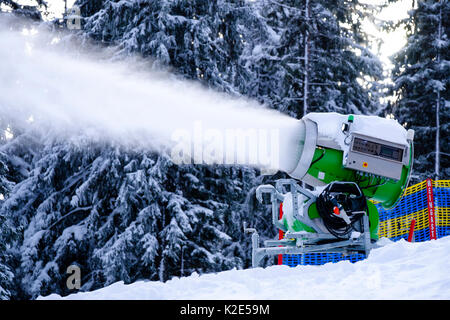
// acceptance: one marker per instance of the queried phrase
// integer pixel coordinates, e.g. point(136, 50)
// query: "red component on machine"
point(336, 210)
point(280, 235)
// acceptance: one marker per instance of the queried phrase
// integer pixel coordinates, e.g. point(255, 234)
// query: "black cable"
point(377, 184)
point(336, 225)
point(331, 222)
point(320, 157)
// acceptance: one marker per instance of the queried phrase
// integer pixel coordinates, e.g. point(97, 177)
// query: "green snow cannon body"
point(373, 153)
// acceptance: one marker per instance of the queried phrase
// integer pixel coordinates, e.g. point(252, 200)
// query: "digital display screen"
point(377, 149)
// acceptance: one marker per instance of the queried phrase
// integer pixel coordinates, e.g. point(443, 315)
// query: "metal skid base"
point(302, 242)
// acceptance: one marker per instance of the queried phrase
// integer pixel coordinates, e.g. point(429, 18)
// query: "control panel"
point(376, 156)
point(377, 149)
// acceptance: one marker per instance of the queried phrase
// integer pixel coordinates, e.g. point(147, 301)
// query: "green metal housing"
point(327, 167)
point(380, 189)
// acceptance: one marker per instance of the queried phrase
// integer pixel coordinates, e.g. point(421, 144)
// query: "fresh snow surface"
point(398, 270)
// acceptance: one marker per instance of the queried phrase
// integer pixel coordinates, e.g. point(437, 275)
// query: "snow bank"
point(399, 270)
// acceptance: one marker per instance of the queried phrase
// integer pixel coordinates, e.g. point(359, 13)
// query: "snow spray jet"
point(78, 96)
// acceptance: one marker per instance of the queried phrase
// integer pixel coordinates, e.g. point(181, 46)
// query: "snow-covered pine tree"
point(6, 232)
point(15, 163)
point(266, 40)
point(345, 75)
point(199, 39)
point(421, 85)
point(118, 215)
point(31, 10)
point(316, 58)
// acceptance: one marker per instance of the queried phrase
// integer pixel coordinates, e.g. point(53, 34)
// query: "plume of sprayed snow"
point(74, 94)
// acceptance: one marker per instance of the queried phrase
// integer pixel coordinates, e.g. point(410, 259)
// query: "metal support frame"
point(303, 242)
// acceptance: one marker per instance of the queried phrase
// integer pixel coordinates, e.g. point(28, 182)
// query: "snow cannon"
point(375, 153)
point(350, 162)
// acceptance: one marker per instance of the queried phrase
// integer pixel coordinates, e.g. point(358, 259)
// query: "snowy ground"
point(399, 270)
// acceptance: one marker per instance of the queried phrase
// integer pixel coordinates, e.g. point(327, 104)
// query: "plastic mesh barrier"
point(395, 223)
